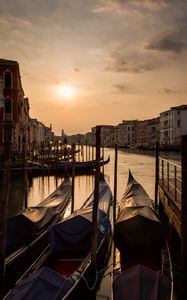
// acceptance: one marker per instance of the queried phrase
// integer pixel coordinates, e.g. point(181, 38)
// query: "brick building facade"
point(14, 107)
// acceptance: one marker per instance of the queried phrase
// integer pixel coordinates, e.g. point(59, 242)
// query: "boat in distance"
point(28, 232)
point(65, 270)
point(57, 167)
point(143, 267)
point(80, 167)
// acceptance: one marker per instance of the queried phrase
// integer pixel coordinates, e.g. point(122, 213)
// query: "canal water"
point(33, 191)
point(142, 167)
point(37, 188)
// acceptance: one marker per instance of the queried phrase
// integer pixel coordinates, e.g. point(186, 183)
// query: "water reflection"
point(38, 188)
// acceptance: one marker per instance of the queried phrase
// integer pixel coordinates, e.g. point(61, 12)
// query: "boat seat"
point(67, 266)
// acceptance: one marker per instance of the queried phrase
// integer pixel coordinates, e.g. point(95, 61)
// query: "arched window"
point(7, 79)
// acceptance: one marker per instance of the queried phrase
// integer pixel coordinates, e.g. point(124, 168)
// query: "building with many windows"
point(173, 124)
point(126, 137)
point(14, 107)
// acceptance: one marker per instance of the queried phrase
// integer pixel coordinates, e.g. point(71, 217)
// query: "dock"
point(171, 184)
point(170, 191)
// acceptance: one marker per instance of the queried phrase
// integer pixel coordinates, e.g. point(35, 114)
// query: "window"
point(7, 79)
point(8, 106)
point(178, 123)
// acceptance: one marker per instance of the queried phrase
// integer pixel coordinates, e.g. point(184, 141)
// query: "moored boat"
point(56, 167)
point(66, 272)
point(28, 232)
point(80, 167)
point(144, 271)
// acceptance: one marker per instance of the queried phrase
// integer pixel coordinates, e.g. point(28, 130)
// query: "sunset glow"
point(66, 91)
point(103, 61)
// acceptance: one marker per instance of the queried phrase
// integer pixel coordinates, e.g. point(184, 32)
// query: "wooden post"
point(103, 151)
point(25, 171)
point(73, 178)
point(115, 196)
point(86, 151)
point(89, 153)
point(79, 153)
point(156, 175)
point(92, 152)
point(42, 155)
point(96, 201)
point(115, 183)
point(82, 152)
point(184, 213)
point(4, 203)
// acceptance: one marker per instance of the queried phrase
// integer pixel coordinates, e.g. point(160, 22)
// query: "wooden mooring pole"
point(115, 196)
point(156, 174)
point(73, 179)
point(184, 213)
point(95, 206)
point(115, 183)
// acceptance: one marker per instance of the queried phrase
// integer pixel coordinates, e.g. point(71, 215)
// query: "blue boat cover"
point(43, 284)
point(31, 222)
point(73, 234)
point(140, 282)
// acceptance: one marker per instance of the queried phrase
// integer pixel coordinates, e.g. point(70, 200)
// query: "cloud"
point(172, 43)
point(165, 90)
point(122, 88)
point(131, 7)
point(119, 62)
point(76, 69)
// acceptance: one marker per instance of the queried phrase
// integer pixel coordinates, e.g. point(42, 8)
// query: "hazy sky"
point(125, 59)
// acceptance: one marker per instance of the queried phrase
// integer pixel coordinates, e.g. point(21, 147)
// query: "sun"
point(66, 91)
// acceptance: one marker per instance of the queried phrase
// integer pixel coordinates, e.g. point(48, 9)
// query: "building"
point(36, 135)
point(106, 131)
point(153, 130)
point(173, 124)
point(141, 136)
point(126, 133)
point(14, 108)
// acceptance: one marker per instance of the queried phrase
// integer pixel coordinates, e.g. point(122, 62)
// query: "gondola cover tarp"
point(140, 282)
point(31, 222)
point(74, 233)
point(43, 284)
point(137, 223)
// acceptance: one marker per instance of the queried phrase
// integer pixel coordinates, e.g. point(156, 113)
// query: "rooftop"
point(8, 62)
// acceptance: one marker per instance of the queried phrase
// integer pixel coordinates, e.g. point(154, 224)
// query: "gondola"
point(56, 167)
point(144, 266)
point(80, 167)
point(28, 232)
point(65, 271)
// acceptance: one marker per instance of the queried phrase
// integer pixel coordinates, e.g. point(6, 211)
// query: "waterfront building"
point(110, 138)
point(147, 133)
point(140, 133)
point(76, 139)
point(126, 133)
point(106, 130)
point(90, 138)
point(153, 130)
point(14, 108)
point(49, 135)
point(36, 137)
point(173, 124)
